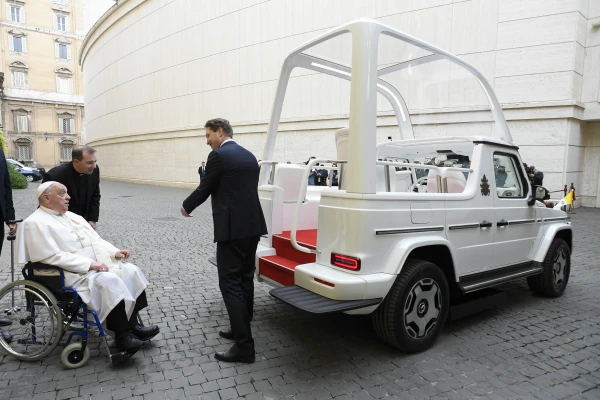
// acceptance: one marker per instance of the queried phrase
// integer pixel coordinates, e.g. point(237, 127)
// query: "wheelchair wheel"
point(36, 320)
point(72, 357)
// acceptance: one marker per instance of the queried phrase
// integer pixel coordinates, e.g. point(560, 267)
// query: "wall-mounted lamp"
point(46, 136)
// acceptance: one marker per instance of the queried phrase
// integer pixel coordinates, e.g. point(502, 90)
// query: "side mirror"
point(539, 193)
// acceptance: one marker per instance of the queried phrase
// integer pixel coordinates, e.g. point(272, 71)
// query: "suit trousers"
point(236, 266)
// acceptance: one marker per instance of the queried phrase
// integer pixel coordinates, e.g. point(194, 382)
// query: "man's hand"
point(98, 267)
point(185, 213)
point(92, 224)
point(12, 229)
point(122, 254)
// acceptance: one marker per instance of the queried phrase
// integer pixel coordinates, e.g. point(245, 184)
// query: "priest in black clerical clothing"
point(82, 178)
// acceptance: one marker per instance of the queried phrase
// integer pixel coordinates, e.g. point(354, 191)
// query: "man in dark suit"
point(202, 170)
point(7, 212)
point(82, 178)
point(232, 180)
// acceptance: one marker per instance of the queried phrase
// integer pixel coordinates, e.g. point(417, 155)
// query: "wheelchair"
point(42, 310)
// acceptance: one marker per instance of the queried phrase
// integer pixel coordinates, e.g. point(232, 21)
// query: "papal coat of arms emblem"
point(485, 186)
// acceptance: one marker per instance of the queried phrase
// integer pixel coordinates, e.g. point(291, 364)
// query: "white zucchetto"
point(42, 188)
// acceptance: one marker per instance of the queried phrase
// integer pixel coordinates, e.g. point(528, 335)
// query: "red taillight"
point(324, 282)
point(347, 262)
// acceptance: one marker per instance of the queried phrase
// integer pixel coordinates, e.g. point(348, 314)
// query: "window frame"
point(61, 123)
point(518, 174)
point(57, 22)
point(19, 115)
point(23, 142)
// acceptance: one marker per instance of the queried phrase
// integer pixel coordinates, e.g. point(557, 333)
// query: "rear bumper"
point(341, 285)
point(317, 304)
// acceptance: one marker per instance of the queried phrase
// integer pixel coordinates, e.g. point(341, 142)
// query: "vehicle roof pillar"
point(363, 108)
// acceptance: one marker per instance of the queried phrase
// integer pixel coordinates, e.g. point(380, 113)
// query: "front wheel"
point(414, 312)
point(29, 178)
point(72, 357)
point(556, 269)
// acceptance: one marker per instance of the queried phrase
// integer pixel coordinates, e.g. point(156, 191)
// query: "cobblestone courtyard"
point(528, 348)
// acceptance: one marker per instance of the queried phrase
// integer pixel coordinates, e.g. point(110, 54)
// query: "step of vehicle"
point(283, 247)
point(315, 303)
point(278, 269)
point(481, 280)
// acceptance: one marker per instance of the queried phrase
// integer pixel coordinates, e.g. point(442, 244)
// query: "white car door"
point(516, 224)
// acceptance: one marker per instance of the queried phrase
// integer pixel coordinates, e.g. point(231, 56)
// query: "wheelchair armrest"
point(28, 269)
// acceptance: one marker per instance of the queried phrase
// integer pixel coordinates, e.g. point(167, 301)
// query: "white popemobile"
point(414, 223)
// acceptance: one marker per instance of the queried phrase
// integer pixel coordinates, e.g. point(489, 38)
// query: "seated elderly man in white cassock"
point(115, 289)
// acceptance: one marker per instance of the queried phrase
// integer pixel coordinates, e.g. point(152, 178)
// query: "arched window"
point(18, 75)
point(66, 149)
point(62, 49)
point(64, 80)
point(21, 120)
point(23, 149)
point(66, 123)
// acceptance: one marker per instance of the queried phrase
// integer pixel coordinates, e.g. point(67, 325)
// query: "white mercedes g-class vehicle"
point(413, 223)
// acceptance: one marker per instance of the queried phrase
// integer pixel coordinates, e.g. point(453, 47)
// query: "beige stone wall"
point(41, 99)
point(151, 90)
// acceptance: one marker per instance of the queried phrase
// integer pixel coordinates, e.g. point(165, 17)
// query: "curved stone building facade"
point(156, 70)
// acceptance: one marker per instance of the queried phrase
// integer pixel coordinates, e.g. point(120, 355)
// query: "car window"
point(16, 163)
point(509, 182)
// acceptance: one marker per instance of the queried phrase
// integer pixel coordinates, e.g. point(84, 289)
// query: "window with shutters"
point(63, 49)
point(66, 150)
point(21, 121)
point(64, 85)
point(19, 79)
point(23, 146)
point(66, 123)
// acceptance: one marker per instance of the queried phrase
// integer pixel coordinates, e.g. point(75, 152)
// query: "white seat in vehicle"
point(455, 181)
point(289, 177)
point(432, 183)
point(403, 181)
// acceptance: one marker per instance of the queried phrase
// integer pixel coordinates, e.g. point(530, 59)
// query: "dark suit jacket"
point(200, 172)
point(88, 208)
point(231, 180)
point(6, 202)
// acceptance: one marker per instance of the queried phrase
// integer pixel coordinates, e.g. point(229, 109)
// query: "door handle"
point(485, 224)
point(502, 223)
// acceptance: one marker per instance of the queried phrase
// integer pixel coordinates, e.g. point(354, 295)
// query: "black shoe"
point(5, 322)
point(145, 332)
point(236, 354)
point(6, 336)
point(129, 343)
point(228, 334)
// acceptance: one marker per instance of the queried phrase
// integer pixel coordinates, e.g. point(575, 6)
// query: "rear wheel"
point(414, 312)
point(556, 268)
point(36, 322)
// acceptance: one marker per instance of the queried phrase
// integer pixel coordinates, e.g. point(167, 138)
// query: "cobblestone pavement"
point(528, 348)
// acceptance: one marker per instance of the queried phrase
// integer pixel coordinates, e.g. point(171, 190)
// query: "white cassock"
point(69, 242)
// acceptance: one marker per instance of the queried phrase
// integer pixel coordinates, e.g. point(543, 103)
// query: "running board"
point(317, 304)
point(482, 280)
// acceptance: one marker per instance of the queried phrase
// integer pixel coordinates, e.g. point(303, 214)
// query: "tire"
point(72, 357)
point(556, 269)
point(36, 320)
point(414, 311)
point(29, 178)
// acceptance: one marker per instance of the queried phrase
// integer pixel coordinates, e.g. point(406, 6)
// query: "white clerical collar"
point(50, 211)
point(228, 140)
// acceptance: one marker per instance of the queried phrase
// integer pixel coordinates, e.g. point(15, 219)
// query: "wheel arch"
point(434, 249)
point(563, 231)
